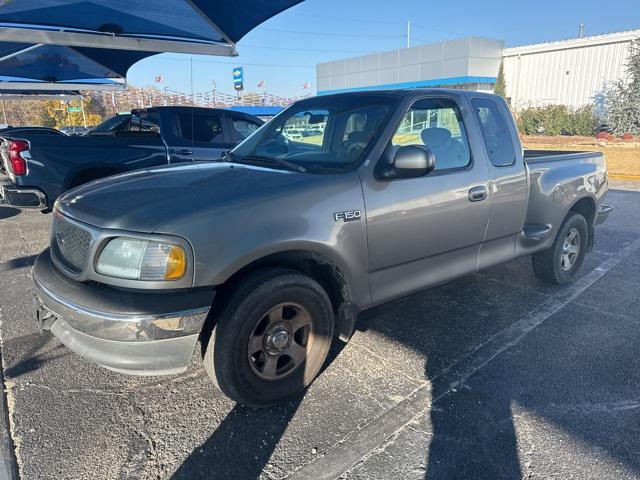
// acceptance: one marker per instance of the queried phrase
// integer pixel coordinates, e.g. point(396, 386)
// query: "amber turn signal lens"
point(176, 263)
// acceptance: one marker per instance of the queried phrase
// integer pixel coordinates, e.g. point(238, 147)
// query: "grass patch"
point(623, 158)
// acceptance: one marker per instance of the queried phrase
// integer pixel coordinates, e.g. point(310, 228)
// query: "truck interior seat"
point(448, 151)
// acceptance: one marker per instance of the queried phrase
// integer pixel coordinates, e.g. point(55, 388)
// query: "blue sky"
point(284, 56)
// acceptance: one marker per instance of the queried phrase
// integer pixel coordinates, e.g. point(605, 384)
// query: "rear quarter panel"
point(558, 182)
point(57, 160)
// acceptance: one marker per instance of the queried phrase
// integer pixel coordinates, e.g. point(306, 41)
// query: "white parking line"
point(360, 443)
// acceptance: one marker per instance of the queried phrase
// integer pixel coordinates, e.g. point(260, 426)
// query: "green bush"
point(557, 120)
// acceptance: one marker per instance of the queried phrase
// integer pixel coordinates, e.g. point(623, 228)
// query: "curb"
point(8, 462)
point(623, 177)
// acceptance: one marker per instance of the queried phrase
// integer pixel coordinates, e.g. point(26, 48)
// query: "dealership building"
point(568, 72)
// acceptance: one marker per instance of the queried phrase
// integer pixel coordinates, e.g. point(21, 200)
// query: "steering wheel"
point(355, 149)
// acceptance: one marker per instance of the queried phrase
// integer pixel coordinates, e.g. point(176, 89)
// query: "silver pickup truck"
point(267, 257)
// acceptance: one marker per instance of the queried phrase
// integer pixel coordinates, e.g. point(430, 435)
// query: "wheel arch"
point(320, 267)
point(586, 206)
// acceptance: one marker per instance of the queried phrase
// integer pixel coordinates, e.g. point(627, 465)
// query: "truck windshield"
point(323, 134)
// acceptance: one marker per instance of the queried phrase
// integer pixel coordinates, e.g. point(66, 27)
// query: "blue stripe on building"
point(440, 82)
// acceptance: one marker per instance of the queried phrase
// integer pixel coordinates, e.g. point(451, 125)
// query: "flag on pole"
point(262, 84)
point(159, 79)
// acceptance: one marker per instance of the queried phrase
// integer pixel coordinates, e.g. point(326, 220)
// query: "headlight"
point(135, 259)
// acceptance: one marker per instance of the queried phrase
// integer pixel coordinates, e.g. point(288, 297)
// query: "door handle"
point(477, 194)
point(184, 152)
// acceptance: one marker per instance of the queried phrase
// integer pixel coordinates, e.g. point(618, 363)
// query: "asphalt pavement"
point(491, 376)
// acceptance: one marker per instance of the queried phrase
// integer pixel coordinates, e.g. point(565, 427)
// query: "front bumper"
point(603, 214)
point(140, 333)
point(22, 197)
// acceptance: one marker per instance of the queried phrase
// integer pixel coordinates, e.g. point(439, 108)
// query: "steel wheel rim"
point(280, 340)
point(570, 250)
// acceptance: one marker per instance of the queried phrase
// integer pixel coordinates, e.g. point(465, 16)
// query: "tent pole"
point(84, 117)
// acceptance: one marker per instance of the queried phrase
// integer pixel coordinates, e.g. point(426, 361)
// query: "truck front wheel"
point(271, 338)
point(560, 264)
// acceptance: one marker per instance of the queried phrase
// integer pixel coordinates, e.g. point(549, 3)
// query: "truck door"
point(136, 143)
point(428, 230)
point(199, 136)
point(509, 184)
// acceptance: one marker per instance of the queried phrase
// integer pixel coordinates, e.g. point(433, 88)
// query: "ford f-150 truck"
point(264, 259)
point(39, 168)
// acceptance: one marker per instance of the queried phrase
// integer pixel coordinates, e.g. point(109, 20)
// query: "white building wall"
point(569, 72)
point(470, 57)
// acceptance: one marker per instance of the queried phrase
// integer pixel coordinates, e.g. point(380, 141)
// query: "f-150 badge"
point(348, 216)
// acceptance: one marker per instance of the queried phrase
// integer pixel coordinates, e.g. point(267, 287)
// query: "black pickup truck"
point(38, 168)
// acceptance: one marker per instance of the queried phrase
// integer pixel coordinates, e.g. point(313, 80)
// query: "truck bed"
point(557, 179)
point(538, 156)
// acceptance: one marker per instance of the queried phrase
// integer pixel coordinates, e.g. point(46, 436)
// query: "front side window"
point(437, 125)
point(201, 128)
point(145, 122)
point(496, 134)
point(320, 134)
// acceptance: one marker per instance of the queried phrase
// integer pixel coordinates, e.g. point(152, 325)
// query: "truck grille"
point(70, 244)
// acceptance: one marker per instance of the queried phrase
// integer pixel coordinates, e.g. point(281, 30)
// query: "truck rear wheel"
point(560, 264)
point(271, 338)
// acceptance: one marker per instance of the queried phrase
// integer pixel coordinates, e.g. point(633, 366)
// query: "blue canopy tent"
point(53, 44)
point(208, 27)
point(23, 66)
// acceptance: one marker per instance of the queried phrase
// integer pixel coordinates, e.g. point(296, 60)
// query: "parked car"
point(39, 167)
point(268, 257)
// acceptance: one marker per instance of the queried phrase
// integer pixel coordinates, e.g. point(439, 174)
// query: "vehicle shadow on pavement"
point(33, 354)
point(245, 440)
point(8, 212)
point(570, 376)
point(16, 263)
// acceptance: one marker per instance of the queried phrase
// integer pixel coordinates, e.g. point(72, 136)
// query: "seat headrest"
point(435, 137)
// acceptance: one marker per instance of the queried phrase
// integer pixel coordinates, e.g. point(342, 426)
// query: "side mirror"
point(411, 161)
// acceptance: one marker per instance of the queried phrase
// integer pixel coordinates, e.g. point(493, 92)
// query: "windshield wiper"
point(281, 161)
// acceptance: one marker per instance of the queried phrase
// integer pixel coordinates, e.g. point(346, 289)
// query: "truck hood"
point(142, 201)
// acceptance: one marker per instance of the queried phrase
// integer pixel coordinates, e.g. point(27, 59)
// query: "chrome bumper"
point(22, 197)
point(140, 333)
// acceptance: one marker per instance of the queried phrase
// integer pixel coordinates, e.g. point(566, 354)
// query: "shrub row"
point(556, 120)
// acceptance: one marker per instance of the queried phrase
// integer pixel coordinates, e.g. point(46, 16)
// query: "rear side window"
point(243, 127)
point(495, 132)
point(201, 128)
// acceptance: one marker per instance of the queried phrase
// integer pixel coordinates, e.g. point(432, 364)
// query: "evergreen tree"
point(623, 98)
point(501, 84)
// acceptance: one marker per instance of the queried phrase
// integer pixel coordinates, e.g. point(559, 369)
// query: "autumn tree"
point(623, 98)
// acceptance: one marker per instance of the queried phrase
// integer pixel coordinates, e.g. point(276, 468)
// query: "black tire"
point(227, 360)
point(552, 266)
